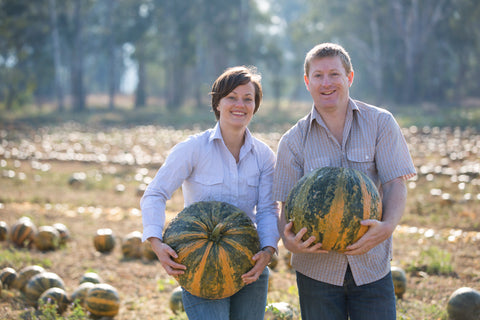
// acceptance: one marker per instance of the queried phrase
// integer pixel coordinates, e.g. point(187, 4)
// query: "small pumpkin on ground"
point(63, 231)
point(176, 302)
point(104, 240)
point(3, 230)
point(216, 242)
point(132, 245)
point(23, 232)
point(279, 311)
point(39, 283)
point(399, 281)
point(80, 293)
point(103, 300)
point(464, 304)
point(8, 276)
point(47, 238)
point(147, 252)
point(24, 275)
point(92, 277)
point(56, 296)
point(331, 202)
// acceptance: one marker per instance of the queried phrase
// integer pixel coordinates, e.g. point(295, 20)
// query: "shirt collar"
point(217, 134)
point(314, 115)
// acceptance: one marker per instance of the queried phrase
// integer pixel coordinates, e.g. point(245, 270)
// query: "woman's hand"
point(294, 243)
point(262, 259)
point(166, 255)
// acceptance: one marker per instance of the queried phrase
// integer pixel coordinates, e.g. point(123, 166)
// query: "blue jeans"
point(323, 301)
point(247, 304)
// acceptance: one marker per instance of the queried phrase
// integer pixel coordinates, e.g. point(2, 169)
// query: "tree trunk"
point(140, 93)
point(56, 56)
point(78, 93)
point(111, 55)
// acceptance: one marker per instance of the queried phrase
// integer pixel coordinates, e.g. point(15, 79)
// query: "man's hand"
point(294, 243)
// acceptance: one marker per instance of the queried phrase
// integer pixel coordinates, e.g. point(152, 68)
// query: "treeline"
point(404, 51)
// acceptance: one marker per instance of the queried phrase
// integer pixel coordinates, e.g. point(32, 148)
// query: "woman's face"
point(237, 108)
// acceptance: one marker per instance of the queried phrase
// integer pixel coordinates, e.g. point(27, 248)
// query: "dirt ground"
point(437, 242)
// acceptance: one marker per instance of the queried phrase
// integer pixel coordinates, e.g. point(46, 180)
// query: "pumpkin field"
point(89, 178)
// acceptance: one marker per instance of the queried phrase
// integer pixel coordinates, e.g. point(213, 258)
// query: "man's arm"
point(393, 205)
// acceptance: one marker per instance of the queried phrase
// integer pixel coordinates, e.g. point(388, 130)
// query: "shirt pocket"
point(362, 159)
point(208, 187)
point(316, 163)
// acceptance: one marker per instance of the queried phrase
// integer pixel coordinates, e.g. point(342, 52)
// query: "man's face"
point(328, 84)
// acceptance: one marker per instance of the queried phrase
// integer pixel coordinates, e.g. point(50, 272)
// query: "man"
point(342, 132)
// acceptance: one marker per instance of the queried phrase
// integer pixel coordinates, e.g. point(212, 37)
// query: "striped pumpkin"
point(330, 202)
point(47, 238)
point(216, 242)
point(63, 231)
point(92, 277)
point(104, 240)
point(103, 300)
point(56, 296)
point(399, 278)
point(23, 232)
point(39, 283)
point(132, 245)
point(8, 276)
point(24, 275)
point(80, 293)
point(176, 301)
point(3, 230)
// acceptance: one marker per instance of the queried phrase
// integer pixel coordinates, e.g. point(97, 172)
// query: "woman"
point(224, 163)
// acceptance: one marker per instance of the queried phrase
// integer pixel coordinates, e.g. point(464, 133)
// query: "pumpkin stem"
point(216, 233)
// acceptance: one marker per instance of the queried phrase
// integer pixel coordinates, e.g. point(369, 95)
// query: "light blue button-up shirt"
point(207, 171)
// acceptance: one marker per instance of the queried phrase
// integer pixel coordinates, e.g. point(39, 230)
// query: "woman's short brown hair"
point(232, 78)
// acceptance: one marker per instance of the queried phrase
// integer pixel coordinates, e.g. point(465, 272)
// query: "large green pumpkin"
point(464, 304)
point(330, 202)
point(216, 242)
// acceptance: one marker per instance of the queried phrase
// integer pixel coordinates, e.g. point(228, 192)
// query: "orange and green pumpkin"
point(92, 277)
point(147, 252)
point(8, 276)
point(464, 304)
point(132, 245)
point(3, 230)
point(63, 231)
point(25, 274)
point(279, 311)
point(104, 240)
point(399, 281)
point(47, 238)
point(56, 296)
point(103, 300)
point(39, 283)
point(23, 232)
point(80, 293)
point(216, 242)
point(331, 202)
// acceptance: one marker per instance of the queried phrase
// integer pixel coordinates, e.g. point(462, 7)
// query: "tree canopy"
point(403, 51)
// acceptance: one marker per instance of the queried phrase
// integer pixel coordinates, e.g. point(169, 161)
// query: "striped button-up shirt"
point(372, 143)
point(207, 171)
